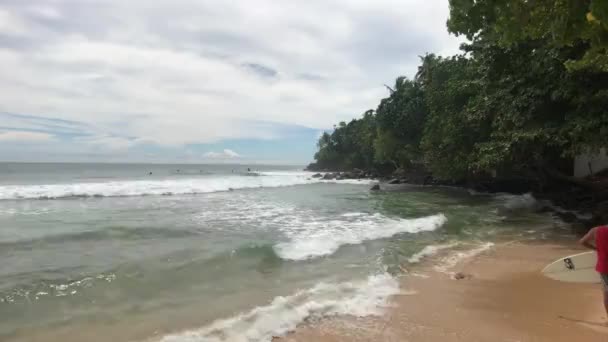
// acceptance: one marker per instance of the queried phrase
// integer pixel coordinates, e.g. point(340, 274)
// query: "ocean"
point(130, 252)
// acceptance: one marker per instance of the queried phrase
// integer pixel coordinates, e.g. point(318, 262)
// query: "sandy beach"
point(502, 297)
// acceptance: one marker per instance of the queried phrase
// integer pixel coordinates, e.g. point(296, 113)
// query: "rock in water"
point(317, 175)
point(330, 176)
point(394, 181)
point(376, 187)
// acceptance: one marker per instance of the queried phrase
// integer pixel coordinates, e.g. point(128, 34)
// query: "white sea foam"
point(354, 214)
point(283, 314)
point(448, 263)
point(164, 186)
point(430, 251)
point(319, 237)
point(517, 202)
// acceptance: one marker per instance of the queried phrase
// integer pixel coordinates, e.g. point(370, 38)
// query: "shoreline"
point(568, 201)
point(500, 295)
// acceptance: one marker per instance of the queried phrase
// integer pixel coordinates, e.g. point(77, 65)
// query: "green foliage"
point(348, 146)
point(561, 23)
point(451, 86)
point(528, 91)
point(400, 119)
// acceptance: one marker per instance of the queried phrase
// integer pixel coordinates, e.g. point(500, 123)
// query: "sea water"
point(127, 252)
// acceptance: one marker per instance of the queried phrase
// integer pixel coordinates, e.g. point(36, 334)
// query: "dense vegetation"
point(527, 93)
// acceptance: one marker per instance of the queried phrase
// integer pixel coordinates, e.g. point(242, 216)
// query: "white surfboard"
point(578, 268)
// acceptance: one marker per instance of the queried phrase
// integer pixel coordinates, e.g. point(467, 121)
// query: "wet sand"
point(502, 298)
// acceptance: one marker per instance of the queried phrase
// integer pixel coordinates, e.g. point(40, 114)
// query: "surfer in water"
point(597, 239)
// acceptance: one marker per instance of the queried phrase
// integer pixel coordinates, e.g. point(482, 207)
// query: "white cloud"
point(109, 143)
point(203, 75)
point(225, 154)
point(24, 136)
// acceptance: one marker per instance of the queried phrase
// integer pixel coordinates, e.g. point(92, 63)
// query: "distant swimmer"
point(597, 239)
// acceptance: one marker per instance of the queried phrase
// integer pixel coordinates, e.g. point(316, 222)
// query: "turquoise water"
point(216, 253)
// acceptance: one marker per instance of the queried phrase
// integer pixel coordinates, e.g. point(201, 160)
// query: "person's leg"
point(606, 301)
point(605, 291)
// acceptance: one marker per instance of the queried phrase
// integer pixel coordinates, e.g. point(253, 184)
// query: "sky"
point(200, 81)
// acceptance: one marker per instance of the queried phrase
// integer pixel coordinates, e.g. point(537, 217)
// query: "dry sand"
point(503, 298)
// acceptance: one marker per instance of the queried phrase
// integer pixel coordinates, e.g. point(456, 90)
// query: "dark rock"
point(376, 187)
point(317, 175)
point(567, 217)
point(545, 209)
point(348, 175)
point(399, 173)
point(328, 176)
point(394, 181)
point(460, 276)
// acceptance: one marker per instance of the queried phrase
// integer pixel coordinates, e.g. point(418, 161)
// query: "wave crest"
point(179, 186)
point(324, 238)
point(283, 314)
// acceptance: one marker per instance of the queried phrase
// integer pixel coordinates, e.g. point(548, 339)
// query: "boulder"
point(317, 175)
point(398, 173)
point(567, 217)
point(461, 276)
point(394, 181)
point(328, 176)
point(350, 175)
point(376, 187)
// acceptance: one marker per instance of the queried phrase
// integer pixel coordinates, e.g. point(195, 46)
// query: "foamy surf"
point(283, 314)
point(320, 238)
point(181, 186)
point(429, 251)
point(449, 262)
point(517, 202)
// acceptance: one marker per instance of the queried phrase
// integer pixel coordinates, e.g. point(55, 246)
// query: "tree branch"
point(390, 89)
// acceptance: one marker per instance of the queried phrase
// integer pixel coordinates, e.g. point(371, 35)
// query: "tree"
point(400, 120)
point(451, 86)
point(526, 95)
point(561, 23)
point(348, 146)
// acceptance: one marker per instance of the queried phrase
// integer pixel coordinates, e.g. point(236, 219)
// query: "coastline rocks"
point(394, 181)
point(376, 187)
point(567, 217)
point(329, 176)
point(357, 174)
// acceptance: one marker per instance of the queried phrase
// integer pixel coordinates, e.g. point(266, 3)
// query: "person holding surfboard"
point(597, 239)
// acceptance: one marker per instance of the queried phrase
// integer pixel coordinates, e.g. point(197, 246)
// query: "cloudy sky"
point(199, 80)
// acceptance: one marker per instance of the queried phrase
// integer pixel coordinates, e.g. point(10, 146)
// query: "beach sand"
point(502, 298)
